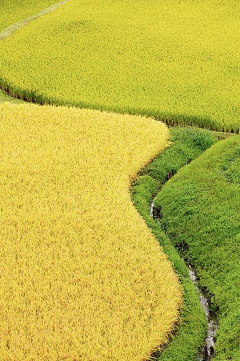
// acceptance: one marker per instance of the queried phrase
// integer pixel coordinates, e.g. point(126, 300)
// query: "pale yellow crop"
point(17, 10)
point(82, 277)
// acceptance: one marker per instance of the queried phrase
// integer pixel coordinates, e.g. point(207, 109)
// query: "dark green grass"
point(187, 144)
point(200, 209)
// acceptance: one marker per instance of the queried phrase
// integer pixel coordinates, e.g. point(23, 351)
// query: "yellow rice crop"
point(176, 60)
point(82, 277)
point(17, 10)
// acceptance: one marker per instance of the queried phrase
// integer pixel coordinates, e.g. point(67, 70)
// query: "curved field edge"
point(201, 214)
point(168, 118)
point(187, 340)
point(4, 97)
point(187, 144)
point(146, 75)
point(89, 279)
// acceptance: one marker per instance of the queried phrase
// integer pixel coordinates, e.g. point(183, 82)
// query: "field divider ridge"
point(12, 28)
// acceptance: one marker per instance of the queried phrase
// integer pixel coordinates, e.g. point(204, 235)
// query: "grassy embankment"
point(187, 144)
point(176, 61)
point(200, 209)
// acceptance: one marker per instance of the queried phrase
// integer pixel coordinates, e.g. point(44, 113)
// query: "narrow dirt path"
point(11, 29)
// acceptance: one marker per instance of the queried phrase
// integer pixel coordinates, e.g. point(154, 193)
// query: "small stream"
point(209, 345)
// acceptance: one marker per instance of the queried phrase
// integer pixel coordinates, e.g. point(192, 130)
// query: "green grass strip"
point(187, 144)
point(188, 340)
point(200, 210)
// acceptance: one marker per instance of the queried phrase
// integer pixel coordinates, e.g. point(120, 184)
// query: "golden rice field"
point(175, 60)
point(82, 277)
point(12, 11)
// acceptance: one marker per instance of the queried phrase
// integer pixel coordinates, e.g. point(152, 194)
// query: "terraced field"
point(177, 61)
point(86, 273)
point(90, 280)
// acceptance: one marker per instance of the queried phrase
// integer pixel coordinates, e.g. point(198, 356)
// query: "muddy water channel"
point(209, 345)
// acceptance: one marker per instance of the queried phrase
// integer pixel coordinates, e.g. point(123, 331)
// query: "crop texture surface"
point(12, 11)
point(175, 60)
point(82, 277)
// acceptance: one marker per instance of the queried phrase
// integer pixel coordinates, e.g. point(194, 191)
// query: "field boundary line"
point(12, 28)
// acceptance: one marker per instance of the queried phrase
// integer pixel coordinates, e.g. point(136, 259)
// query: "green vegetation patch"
point(200, 209)
point(6, 98)
point(177, 61)
point(187, 144)
point(16, 10)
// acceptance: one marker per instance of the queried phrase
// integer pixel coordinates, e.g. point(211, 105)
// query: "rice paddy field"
point(119, 214)
point(13, 11)
point(74, 251)
point(178, 61)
